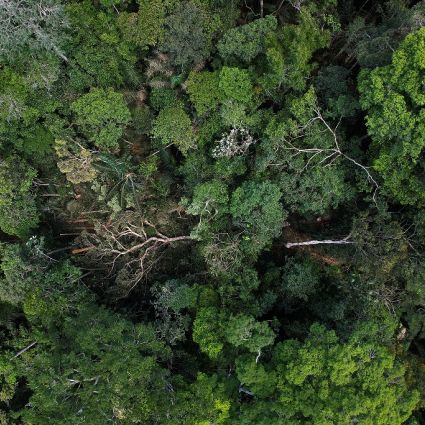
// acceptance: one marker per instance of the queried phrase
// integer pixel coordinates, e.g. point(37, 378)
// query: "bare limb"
point(28, 347)
point(129, 248)
point(330, 154)
point(344, 241)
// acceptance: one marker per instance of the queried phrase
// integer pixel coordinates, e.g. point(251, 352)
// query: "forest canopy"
point(212, 212)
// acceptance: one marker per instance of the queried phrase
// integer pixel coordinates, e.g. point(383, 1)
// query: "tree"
point(394, 101)
point(244, 331)
point(75, 161)
point(373, 43)
point(204, 91)
point(47, 290)
point(102, 368)
point(173, 126)
point(33, 27)
point(246, 42)
point(187, 36)
point(18, 210)
point(256, 209)
point(210, 203)
point(325, 380)
point(146, 27)
point(333, 89)
point(102, 115)
point(235, 83)
point(204, 401)
point(236, 142)
point(171, 299)
point(100, 56)
point(24, 109)
point(292, 47)
point(306, 151)
point(208, 331)
point(300, 279)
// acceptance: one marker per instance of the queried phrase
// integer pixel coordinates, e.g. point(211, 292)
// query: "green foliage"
point(298, 144)
point(244, 331)
point(256, 208)
point(236, 84)
point(18, 210)
point(171, 299)
point(124, 384)
point(212, 329)
point(300, 279)
point(210, 203)
point(208, 331)
point(394, 100)
point(203, 402)
point(23, 108)
point(47, 291)
point(295, 46)
point(100, 57)
point(141, 119)
point(333, 87)
point(187, 36)
point(173, 126)
point(373, 43)
point(146, 27)
point(315, 191)
point(239, 255)
point(244, 43)
point(324, 379)
point(102, 115)
point(161, 98)
point(17, 274)
point(204, 91)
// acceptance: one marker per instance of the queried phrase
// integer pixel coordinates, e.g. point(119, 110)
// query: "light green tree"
point(394, 101)
point(204, 90)
point(102, 115)
point(245, 332)
point(173, 126)
point(235, 83)
point(324, 380)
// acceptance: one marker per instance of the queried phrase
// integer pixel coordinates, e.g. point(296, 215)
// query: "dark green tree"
point(18, 210)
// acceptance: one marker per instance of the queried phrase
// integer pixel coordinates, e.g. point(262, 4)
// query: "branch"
point(344, 241)
point(330, 154)
point(243, 390)
point(28, 347)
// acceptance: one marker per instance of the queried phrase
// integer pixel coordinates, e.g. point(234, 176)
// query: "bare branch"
point(28, 347)
point(330, 154)
point(344, 241)
point(129, 248)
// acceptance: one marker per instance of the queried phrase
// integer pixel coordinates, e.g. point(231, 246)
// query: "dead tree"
point(129, 247)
